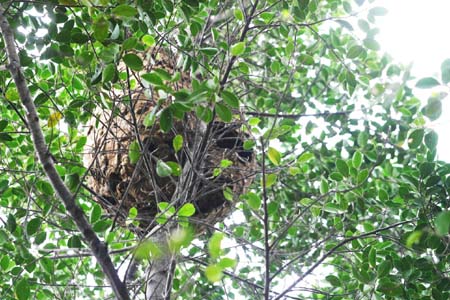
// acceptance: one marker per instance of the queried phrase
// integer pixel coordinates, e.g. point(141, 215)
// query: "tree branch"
point(332, 250)
point(97, 247)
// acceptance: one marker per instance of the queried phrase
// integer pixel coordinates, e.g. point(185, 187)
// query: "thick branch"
point(97, 247)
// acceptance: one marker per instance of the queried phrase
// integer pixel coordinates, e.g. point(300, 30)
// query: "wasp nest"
point(210, 170)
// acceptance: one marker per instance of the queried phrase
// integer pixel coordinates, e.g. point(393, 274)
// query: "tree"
point(347, 186)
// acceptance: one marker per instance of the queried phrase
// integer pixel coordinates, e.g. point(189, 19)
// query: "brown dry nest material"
point(212, 161)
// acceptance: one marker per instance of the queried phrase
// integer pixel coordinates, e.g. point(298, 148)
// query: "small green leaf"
point(3, 124)
point(445, 71)
point(362, 176)
point(163, 169)
point(433, 109)
point(238, 14)
point(214, 245)
point(33, 226)
point(227, 262)
point(342, 167)
point(431, 140)
point(413, 238)
point(124, 10)
point(176, 168)
point(187, 210)
point(22, 289)
point(228, 194)
point(270, 180)
point(150, 118)
point(384, 268)
point(223, 112)
point(305, 157)
point(238, 49)
point(134, 152)
point(177, 143)
point(133, 61)
point(427, 82)
point(324, 186)
point(415, 138)
point(148, 40)
point(230, 99)
point(204, 113)
point(357, 159)
point(209, 50)
point(253, 200)
point(108, 73)
point(153, 78)
point(213, 273)
point(373, 257)
point(306, 59)
point(132, 213)
point(166, 120)
point(333, 280)
point(442, 222)
point(129, 43)
point(378, 11)
point(294, 171)
point(274, 156)
point(355, 51)
point(101, 29)
point(336, 176)
point(371, 44)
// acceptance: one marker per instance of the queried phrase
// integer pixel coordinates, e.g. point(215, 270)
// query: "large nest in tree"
point(211, 170)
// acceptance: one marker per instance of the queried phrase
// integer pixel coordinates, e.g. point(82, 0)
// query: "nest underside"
point(120, 185)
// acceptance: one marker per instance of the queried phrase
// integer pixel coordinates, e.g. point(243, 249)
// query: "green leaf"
point(362, 176)
point(371, 44)
point(3, 124)
point(333, 280)
point(176, 168)
point(228, 193)
point(204, 113)
point(357, 159)
point(415, 138)
point(342, 167)
point(433, 109)
point(270, 180)
point(274, 156)
point(305, 157)
point(22, 289)
point(213, 273)
point(306, 59)
point(150, 118)
point(101, 29)
point(230, 99)
point(166, 120)
point(373, 257)
point(134, 152)
point(214, 245)
point(223, 112)
point(124, 10)
point(384, 268)
point(133, 61)
point(187, 210)
point(108, 73)
point(148, 40)
point(33, 226)
point(153, 78)
point(442, 223)
point(227, 262)
point(378, 11)
point(209, 51)
point(163, 169)
point(413, 238)
point(237, 49)
point(177, 143)
point(324, 186)
point(132, 213)
point(445, 71)
point(431, 140)
point(238, 14)
point(354, 52)
point(253, 200)
point(426, 83)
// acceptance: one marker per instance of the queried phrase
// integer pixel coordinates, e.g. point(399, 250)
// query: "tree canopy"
point(348, 199)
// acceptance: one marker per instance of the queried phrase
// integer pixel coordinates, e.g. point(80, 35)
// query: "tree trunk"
point(161, 269)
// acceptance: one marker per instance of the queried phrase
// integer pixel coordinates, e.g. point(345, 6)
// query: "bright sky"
point(418, 31)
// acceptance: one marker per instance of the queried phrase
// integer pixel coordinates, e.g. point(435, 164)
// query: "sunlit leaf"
point(238, 48)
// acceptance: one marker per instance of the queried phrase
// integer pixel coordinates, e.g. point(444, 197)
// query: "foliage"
point(349, 187)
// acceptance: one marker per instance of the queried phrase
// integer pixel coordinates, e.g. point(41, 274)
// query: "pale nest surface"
point(119, 185)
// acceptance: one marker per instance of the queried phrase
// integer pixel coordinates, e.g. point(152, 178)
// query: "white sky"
point(419, 31)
